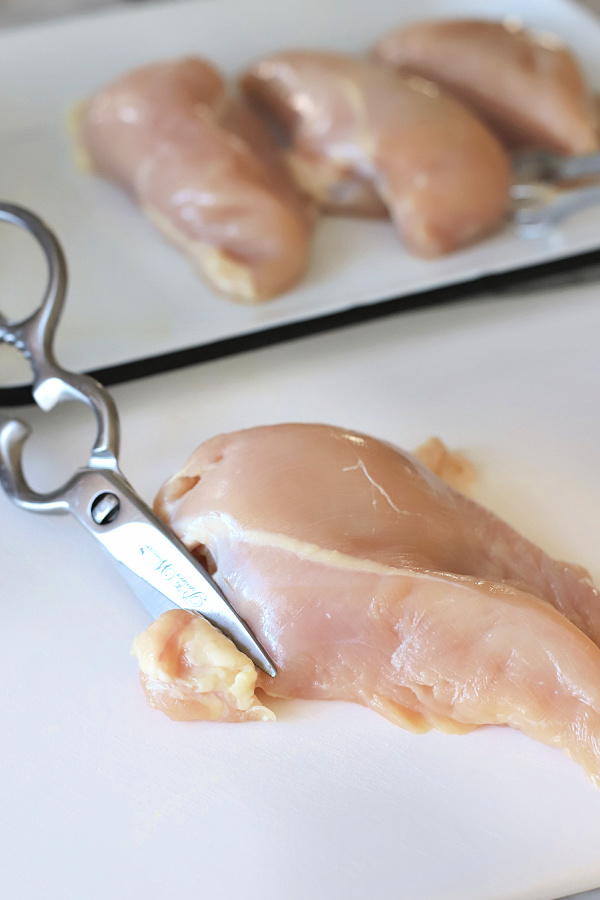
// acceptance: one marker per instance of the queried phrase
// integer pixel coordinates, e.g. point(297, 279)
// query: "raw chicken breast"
point(168, 134)
point(527, 87)
point(362, 137)
point(369, 579)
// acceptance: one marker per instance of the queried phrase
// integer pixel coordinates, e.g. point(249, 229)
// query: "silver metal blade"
point(164, 576)
point(160, 569)
point(157, 603)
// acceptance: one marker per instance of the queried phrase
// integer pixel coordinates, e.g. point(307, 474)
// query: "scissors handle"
point(34, 337)
point(161, 571)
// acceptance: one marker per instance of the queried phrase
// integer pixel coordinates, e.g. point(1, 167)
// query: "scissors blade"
point(155, 601)
point(159, 568)
point(156, 562)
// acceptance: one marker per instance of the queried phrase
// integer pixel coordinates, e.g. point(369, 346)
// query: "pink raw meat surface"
point(527, 87)
point(369, 579)
point(362, 139)
point(169, 134)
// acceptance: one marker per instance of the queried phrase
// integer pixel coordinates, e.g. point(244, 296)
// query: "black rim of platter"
point(566, 271)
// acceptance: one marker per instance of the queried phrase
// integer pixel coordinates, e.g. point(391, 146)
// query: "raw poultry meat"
point(361, 138)
point(369, 579)
point(169, 134)
point(527, 87)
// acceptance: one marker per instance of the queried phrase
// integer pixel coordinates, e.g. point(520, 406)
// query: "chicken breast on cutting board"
point(369, 579)
point(205, 172)
point(527, 87)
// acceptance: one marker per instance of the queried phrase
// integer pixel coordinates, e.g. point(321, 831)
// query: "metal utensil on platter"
point(549, 187)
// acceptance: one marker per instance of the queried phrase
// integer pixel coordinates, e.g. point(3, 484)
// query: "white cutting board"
point(102, 797)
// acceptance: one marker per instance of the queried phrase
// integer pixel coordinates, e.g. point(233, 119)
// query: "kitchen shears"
point(158, 567)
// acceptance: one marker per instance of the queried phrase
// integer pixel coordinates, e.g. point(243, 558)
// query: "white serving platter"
point(134, 298)
point(102, 797)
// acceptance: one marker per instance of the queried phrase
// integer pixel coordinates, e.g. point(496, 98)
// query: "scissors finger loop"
point(34, 336)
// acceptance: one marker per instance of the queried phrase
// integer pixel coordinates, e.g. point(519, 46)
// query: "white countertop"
point(17, 12)
point(13, 12)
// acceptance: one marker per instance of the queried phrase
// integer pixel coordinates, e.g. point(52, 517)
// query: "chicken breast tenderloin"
point(361, 137)
point(369, 579)
point(527, 87)
point(171, 137)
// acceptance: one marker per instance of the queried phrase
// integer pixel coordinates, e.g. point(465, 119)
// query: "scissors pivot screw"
point(105, 508)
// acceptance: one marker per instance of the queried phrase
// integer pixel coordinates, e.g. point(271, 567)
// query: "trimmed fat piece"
point(169, 135)
point(190, 670)
point(527, 87)
point(369, 579)
point(361, 139)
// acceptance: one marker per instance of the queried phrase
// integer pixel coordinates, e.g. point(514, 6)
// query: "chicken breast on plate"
point(356, 129)
point(369, 579)
point(169, 135)
point(527, 87)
